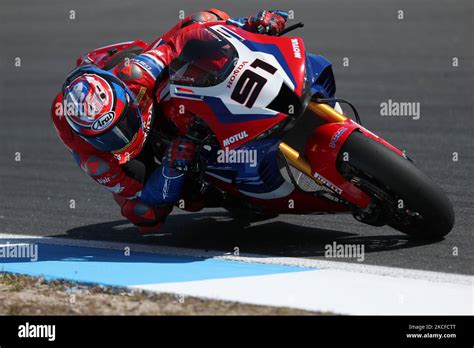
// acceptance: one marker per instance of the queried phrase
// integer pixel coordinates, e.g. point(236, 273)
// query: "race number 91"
point(250, 84)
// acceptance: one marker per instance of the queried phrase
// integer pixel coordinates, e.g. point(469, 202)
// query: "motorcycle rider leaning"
point(108, 115)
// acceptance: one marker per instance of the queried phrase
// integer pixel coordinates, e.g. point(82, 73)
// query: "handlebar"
point(290, 28)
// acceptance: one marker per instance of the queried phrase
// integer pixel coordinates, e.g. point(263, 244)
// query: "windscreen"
point(206, 60)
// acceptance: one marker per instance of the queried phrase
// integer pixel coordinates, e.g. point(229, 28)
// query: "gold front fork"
point(326, 112)
point(294, 158)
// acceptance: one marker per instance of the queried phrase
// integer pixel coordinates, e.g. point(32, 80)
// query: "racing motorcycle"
point(263, 86)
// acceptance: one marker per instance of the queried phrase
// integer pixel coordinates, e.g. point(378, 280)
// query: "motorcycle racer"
point(108, 114)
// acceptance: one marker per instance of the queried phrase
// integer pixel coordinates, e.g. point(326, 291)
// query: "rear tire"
point(400, 179)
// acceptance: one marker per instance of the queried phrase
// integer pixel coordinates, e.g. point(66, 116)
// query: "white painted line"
point(335, 291)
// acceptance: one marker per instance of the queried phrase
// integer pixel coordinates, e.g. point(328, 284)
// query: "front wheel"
point(403, 196)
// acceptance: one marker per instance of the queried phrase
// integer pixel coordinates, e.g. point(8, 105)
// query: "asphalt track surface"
point(403, 60)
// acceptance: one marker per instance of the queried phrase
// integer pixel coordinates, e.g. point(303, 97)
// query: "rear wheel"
point(403, 196)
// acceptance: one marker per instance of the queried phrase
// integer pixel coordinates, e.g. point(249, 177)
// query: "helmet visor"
point(122, 134)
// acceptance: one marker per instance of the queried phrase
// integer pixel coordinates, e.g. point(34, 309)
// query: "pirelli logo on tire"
point(327, 183)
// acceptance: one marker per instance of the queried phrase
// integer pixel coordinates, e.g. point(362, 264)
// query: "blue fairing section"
point(263, 177)
point(319, 71)
point(318, 63)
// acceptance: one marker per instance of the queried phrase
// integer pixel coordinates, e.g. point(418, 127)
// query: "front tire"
point(428, 213)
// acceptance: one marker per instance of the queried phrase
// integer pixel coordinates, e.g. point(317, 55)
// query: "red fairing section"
point(296, 202)
point(322, 150)
point(378, 139)
point(221, 130)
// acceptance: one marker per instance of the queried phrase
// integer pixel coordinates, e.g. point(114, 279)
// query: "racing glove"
point(264, 22)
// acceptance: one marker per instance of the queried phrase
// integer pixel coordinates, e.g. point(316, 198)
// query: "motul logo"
point(296, 48)
point(103, 121)
point(235, 137)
